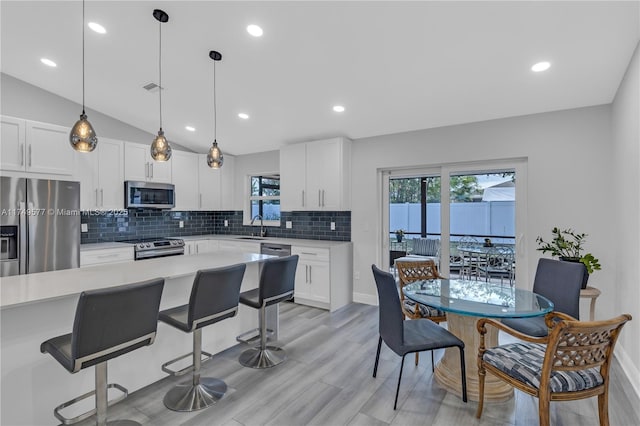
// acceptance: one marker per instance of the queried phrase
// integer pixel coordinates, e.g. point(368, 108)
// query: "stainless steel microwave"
point(149, 195)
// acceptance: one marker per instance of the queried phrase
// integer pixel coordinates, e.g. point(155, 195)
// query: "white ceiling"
point(395, 66)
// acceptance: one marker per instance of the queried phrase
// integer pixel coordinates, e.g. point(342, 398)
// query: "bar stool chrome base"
point(263, 358)
point(123, 423)
point(190, 397)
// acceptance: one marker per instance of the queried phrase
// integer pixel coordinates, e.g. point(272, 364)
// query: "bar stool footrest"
point(165, 367)
point(255, 338)
point(69, 421)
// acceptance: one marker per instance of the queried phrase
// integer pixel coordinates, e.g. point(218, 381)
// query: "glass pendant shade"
point(160, 149)
point(215, 157)
point(82, 137)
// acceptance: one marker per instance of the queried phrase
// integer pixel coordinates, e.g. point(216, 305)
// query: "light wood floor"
point(327, 380)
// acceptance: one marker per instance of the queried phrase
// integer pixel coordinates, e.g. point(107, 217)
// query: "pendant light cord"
point(83, 113)
point(215, 121)
point(160, 73)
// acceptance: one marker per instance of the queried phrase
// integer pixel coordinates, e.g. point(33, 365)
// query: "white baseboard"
point(630, 370)
point(367, 299)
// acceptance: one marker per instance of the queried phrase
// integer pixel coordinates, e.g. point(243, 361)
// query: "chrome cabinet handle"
point(97, 198)
point(323, 198)
point(101, 197)
point(146, 170)
point(306, 274)
point(319, 198)
point(29, 155)
point(310, 276)
point(308, 253)
point(22, 154)
point(200, 200)
point(151, 167)
point(303, 198)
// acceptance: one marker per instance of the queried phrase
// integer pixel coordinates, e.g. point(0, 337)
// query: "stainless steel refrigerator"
point(39, 225)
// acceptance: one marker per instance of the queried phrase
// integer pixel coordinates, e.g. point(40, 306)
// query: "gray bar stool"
point(214, 297)
point(108, 323)
point(277, 278)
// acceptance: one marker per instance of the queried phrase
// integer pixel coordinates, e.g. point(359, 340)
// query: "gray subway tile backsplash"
point(131, 224)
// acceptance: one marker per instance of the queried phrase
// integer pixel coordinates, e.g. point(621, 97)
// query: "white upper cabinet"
point(216, 185)
point(138, 165)
point(185, 178)
point(209, 188)
point(12, 148)
point(30, 146)
point(316, 175)
point(101, 176)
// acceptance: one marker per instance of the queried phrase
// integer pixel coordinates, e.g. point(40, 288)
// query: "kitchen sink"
point(249, 238)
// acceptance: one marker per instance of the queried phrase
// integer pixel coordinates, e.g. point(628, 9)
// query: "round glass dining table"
point(465, 302)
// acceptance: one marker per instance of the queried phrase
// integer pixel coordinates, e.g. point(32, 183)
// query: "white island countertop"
point(29, 288)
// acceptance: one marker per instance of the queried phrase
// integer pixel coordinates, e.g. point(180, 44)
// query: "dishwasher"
point(280, 250)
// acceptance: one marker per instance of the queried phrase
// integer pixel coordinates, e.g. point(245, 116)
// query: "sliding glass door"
point(433, 212)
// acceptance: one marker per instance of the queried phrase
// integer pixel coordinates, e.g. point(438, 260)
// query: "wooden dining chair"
point(411, 271)
point(571, 362)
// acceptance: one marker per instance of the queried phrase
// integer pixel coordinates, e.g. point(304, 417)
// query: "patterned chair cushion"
point(426, 246)
point(425, 311)
point(523, 361)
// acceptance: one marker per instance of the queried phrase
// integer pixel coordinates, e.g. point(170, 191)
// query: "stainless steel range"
point(148, 248)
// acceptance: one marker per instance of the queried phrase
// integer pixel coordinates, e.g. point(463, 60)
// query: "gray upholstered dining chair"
point(411, 336)
point(559, 282)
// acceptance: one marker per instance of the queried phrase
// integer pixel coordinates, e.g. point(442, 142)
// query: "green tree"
point(407, 190)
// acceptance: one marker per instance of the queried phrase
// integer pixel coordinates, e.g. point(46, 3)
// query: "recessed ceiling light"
point(97, 27)
point(190, 128)
point(243, 116)
point(338, 108)
point(48, 62)
point(254, 30)
point(540, 66)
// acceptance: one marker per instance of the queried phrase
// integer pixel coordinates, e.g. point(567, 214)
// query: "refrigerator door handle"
point(22, 243)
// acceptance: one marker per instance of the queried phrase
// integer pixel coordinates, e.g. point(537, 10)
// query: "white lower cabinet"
point(323, 276)
point(200, 246)
point(106, 255)
point(233, 246)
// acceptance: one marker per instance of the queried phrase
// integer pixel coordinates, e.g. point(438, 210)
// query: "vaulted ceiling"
point(394, 66)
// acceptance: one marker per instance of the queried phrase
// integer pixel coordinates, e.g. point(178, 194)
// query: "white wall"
point(252, 164)
point(23, 100)
point(625, 119)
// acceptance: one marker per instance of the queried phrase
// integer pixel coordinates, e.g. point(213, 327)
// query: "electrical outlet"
point(84, 227)
point(333, 226)
point(181, 224)
point(226, 223)
point(289, 224)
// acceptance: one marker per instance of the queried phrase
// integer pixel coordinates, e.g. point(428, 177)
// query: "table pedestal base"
point(447, 372)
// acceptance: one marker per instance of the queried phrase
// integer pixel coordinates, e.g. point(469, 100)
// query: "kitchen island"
point(36, 307)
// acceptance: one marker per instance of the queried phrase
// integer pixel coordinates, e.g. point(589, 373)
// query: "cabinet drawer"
point(311, 253)
point(97, 257)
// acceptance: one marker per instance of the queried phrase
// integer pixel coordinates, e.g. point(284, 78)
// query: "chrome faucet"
point(263, 233)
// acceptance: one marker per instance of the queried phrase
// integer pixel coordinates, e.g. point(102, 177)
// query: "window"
point(264, 199)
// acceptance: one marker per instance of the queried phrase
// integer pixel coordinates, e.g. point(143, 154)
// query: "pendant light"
point(160, 149)
point(82, 137)
point(215, 157)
